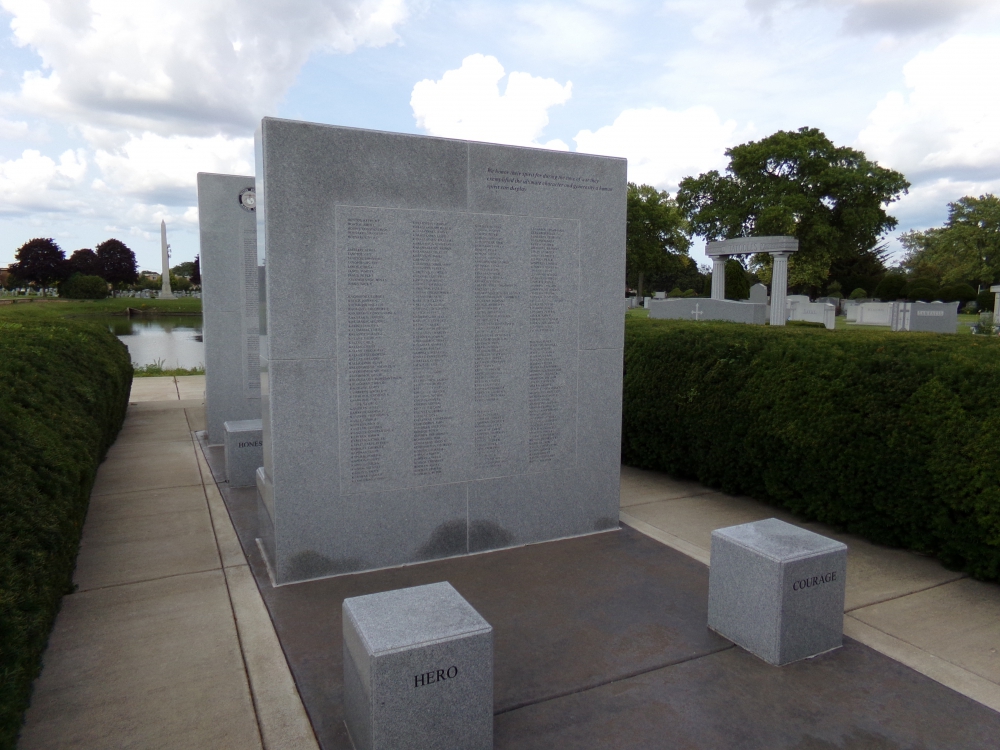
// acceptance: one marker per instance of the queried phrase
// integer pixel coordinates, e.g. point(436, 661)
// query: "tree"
point(117, 260)
point(865, 268)
point(81, 286)
point(737, 281)
point(966, 248)
point(196, 273)
point(891, 288)
point(831, 198)
point(41, 261)
point(657, 237)
point(184, 269)
point(84, 261)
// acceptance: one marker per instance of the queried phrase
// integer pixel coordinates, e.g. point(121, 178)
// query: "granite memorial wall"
point(457, 388)
point(229, 280)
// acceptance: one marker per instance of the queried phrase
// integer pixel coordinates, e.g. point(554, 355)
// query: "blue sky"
point(108, 108)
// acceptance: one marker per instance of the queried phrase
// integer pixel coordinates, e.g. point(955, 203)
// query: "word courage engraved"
point(429, 678)
point(808, 583)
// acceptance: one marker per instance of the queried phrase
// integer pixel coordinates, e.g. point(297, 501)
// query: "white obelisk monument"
point(165, 292)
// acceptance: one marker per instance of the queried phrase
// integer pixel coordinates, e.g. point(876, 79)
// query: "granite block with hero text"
point(418, 671)
point(229, 280)
point(777, 590)
point(456, 385)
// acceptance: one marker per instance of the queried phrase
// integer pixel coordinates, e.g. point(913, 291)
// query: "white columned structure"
point(165, 291)
point(779, 248)
point(779, 288)
point(996, 304)
point(719, 277)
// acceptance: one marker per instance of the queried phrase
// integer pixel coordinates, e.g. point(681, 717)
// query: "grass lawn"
point(20, 308)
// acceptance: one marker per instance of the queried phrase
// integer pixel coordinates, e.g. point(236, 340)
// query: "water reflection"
point(175, 341)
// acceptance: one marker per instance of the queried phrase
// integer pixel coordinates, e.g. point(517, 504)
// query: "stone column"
point(719, 277)
point(779, 288)
point(165, 291)
point(996, 304)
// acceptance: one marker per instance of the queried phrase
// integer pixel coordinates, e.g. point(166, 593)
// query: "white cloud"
point(901, 17)
point(948, 119)
point(11, 129)
point(893, 17)
point(564, 32)
point(467, 103)
point(164, 169)
point(35, 182)
point(187, 64)
point(662, 146)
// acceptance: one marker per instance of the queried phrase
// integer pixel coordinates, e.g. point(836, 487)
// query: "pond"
point(174, 341)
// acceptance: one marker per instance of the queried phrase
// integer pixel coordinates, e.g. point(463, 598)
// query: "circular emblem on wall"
point(248, 199)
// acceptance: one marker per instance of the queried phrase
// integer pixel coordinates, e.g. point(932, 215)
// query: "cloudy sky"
point(108, 108)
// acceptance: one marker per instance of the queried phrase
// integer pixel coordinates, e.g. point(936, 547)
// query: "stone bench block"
point(418, 671)
point(777, 590)
point(244, 451)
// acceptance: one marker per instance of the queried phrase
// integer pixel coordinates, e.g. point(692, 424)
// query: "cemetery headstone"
point(874, 314)
point(933, 317)
point(700, 308)
point(400, 428)
point(229, 279)
point(814, 312)
point(758, 294)
point(418, 671)
point(777, 590)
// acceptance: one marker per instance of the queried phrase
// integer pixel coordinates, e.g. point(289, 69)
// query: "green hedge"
point(892, 436)
point(63, 394)
point(79, 286)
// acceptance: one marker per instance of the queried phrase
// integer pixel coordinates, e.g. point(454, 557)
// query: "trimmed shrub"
point(890, 436)
point(985, 300)
point(64, 390)
point(858, 293)
point(961, 293)
point(79, 286)
point(921, 290)
point(891, 288)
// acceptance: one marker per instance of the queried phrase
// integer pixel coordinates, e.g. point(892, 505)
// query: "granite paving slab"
point(850, 699)
point(567, 616)
point(602, 641)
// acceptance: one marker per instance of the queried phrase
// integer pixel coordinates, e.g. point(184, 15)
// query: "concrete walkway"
point(166, 642)
point(906, 606)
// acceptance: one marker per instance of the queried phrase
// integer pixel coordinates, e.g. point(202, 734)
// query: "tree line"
point(42, 262)
point(833, 199)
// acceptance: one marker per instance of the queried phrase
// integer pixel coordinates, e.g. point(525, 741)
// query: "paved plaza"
point(175, 637)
